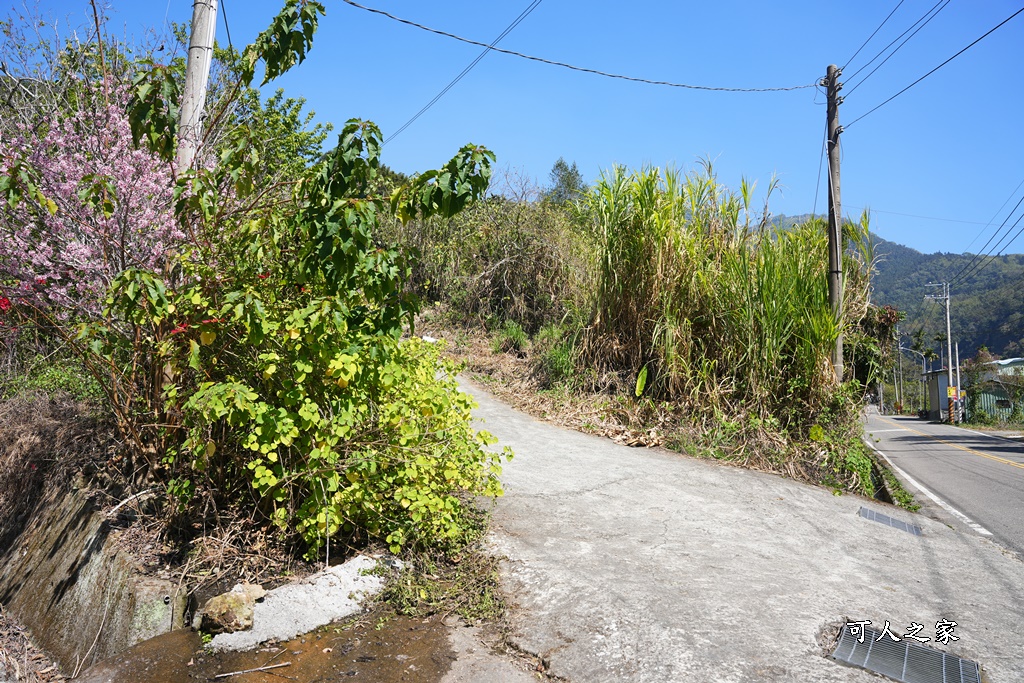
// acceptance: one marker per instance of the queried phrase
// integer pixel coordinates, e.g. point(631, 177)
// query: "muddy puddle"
point(375, 647)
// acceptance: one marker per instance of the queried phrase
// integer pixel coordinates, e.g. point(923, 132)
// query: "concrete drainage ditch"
point(82, 598)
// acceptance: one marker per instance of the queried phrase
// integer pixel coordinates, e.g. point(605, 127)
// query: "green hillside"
point(987, 308)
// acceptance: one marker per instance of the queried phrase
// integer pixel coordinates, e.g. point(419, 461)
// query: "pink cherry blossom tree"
point(98, 207)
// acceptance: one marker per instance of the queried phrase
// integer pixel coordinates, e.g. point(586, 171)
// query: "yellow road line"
point(996, 458)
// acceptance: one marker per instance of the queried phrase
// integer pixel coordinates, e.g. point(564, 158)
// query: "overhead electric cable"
point(905, 41)
point(1000, 246)
point(927, 218)
point(864, 44)
point(996, 215)
point(988, 33)
point(894, 41)
point(981, 252)
point(1012, 283)
point(227, 29)
point(551, 62)
point(508, 29)
point(817, 185)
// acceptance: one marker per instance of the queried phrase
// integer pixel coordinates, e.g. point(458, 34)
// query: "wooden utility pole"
point(835, 215)
point(197, 75)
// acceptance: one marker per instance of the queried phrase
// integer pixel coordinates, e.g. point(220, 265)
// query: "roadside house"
point(998, 385)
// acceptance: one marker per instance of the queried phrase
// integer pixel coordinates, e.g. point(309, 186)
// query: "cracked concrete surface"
point(643, 565)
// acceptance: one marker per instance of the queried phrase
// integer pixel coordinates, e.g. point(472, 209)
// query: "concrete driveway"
point(644, 565)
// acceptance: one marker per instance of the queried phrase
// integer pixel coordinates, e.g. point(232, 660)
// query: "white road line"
point(879, 431)
point(941, 503)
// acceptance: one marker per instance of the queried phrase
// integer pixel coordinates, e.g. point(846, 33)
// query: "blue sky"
point(950, 148)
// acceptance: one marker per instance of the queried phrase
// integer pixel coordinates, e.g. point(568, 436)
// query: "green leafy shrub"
point(507, 257)
point(259, 362)
point(511, 338)
point(280, 369)
point(53, 375)
point(980, 416)
point(554, 358)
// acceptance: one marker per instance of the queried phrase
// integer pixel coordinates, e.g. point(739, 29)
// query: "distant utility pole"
point(899, 362)
point(835, 215)
point(949, 343)
point(960, 408)
point(897, 371)
point(197, 75)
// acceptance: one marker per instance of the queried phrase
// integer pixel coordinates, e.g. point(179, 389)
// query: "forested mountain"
point(987, 308)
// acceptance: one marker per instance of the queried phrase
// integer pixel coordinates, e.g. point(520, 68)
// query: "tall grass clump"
point(719, 311)
point(509, 258)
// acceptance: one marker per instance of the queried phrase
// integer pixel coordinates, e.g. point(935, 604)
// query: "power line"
point(984, 264)
point(817, 185)
point(981, 252)
point(224, 11)
point(988, 33)
point(508, 29)
point(994, 216)
point(898, 47)
point(927, 218)
point(894, 40)
point(1000, 288)
point(864, 44)
point(596, 72)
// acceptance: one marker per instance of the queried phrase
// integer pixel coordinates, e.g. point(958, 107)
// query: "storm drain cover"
point(890, 521)
point(905, 660)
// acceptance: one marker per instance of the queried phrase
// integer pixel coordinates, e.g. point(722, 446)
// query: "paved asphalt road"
point(959, 476)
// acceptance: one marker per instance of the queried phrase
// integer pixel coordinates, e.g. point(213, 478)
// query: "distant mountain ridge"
point(987, 309)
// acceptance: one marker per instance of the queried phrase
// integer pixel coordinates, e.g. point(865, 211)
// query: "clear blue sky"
point(950, 148)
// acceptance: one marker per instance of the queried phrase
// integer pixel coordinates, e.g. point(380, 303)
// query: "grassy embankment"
point(659, 309)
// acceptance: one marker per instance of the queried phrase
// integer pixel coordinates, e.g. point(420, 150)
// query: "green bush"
point(504, 258)
point(52, 375)
point(511, 338)
point(555, 357)
point(981, 416)
point(261, 365)
point(279, 370)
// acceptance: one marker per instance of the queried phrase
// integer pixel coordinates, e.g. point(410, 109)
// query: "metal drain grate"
point(890, 521)
point(905, 661)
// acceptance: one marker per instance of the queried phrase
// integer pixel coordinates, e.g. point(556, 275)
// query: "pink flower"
point(67, 255)
point(5, 304)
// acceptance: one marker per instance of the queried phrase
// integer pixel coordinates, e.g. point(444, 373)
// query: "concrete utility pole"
point(197, 75)
point(959, 388)
point(899, 361)
point(901, 398)
point(835, 214)
point(949, 344)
